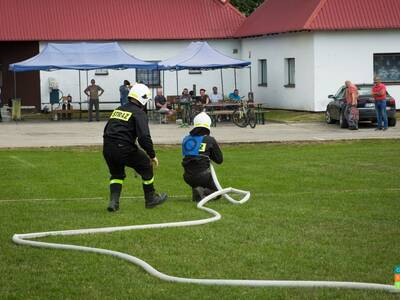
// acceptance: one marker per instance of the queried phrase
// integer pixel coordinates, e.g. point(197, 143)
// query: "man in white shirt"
point(215, 97)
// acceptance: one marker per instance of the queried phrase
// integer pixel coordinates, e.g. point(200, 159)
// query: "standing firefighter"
point(126, 124)
point(198, 148)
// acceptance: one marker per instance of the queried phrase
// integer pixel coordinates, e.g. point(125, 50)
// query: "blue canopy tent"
point(201, 56)
point(80, 56)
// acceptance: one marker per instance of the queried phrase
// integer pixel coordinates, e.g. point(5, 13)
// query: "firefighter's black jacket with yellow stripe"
point(128, 123)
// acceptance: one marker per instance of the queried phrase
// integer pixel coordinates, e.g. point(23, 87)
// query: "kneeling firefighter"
point(198, 149)
point(127, 124)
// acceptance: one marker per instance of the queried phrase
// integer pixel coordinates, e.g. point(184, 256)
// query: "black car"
point(365, 104)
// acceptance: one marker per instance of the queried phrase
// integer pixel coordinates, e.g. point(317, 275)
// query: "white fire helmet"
point(140, 92)
point(202, 120)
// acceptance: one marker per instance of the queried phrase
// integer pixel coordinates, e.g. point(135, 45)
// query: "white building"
point(302, 51)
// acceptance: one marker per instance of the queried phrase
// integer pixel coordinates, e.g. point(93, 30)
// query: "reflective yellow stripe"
point(121, 115)
point(202, 125)
point(119, 181)
point(147, 182)
point(134, 95)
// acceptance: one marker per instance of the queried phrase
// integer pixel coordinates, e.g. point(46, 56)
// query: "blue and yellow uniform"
point(198, 149)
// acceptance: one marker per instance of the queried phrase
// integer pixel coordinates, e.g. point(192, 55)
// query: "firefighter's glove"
point(154, 162)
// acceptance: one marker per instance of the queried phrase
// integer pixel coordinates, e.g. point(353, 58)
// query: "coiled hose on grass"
point(26, 239)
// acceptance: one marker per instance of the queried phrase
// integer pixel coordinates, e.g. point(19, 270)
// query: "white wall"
point(275, 49)
point(146, 50)
point(348, 55)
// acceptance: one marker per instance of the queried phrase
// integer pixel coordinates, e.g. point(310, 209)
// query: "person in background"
point(215, 97)
point(198, 150)
point(350, 111)
point(93, 91)
point(204, 99)
point(185, 101)
point(162, 104)
point(379, 94)
point(124, 91)
point(185, 97)
point(67, 106)
point(235, 95)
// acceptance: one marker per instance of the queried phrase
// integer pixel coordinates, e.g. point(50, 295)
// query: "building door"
point(27, 83)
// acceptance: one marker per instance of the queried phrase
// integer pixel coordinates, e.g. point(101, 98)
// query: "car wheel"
point(392, 122)
point(328, 118)
point(342, 120)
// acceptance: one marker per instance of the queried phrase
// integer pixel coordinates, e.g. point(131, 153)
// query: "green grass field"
point(277, 115)
point(318, 212)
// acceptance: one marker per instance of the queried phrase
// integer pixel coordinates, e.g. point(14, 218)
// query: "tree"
point(246, 6)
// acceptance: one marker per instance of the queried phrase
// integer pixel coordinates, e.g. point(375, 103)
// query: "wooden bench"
point(216, 113)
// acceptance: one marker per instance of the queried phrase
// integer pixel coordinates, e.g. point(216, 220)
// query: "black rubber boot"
point(208, 191)
point(114, 204)
point(198, 194)
point(153, 199)
point(115, 192)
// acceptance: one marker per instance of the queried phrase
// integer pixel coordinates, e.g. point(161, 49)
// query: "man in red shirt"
point(351, 111)
point(379, 94)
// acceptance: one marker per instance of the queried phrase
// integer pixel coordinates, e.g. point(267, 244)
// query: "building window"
point(151, 78)
point(290, 71)
point(101, 72)
point(262, 72)
point(387, 67)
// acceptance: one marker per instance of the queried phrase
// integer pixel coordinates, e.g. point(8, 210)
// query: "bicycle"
point(244, 115)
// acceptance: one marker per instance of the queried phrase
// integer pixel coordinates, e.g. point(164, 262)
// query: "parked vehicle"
point(365, 104)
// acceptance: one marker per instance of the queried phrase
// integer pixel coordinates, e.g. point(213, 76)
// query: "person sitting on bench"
point(162, 104)
point(67, 106)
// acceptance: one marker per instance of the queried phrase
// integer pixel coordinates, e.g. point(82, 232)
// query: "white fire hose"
point(24, 239)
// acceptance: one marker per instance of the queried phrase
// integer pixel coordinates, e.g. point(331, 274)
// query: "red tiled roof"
point(61, 20)
point(278, 16)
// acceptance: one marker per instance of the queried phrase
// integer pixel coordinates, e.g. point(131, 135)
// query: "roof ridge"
point(314, 14)
point(232, 7)
point(236, 33)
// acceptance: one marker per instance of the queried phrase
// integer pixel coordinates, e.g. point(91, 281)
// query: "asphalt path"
point(75, 133)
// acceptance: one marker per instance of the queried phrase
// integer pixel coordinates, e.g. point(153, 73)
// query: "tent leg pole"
point(15, 85)
point(251, 83)
point(222, 85)
point(80, 96)
point(163, 82)
point(177, 84)
point(234, 72)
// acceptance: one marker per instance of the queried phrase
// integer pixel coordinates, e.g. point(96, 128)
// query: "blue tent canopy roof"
point(81, 56)
point(201, 56)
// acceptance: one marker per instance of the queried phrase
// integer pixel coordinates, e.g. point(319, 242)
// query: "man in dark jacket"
point(198, 149)
point(127, 124)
